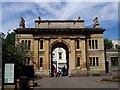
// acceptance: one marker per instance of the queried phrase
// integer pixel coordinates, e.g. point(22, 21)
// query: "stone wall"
point(63, 24)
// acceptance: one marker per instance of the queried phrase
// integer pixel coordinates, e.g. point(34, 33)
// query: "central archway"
point(59, 57)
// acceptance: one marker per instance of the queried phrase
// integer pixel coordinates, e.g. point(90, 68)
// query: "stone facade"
point(84, 46)
point(113, 60)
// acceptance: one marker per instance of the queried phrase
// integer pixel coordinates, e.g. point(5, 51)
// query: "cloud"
point(11, 13)
point(106, 12)
point(61, 0)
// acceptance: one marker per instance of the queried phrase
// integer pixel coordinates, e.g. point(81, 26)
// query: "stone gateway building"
point(83, 48)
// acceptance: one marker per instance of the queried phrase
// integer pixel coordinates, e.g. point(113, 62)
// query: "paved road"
point(75, 82)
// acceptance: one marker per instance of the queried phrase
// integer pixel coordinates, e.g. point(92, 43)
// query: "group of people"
point(61, 72)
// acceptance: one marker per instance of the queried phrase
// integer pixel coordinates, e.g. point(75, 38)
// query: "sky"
point(107, 13)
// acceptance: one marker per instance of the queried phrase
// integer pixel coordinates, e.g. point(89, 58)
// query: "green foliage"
point(13, 53)
point(2, 37)
point(117, 47)
point(108, 44)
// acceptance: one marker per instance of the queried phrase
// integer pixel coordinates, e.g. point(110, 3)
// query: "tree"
point(14, 53)
point(117, 47)
point(2, 38)
point(108, 44)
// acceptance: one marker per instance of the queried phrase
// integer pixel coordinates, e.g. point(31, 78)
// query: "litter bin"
point(23, 83)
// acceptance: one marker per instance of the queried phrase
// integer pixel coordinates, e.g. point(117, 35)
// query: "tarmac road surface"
point(75, 82)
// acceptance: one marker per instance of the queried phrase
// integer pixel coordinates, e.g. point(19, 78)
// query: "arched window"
point(29, 44)
point(22, 42)
point(92, 44)
point(41, 44)
point(96, 44)
point(78, 45)
point(25, 43)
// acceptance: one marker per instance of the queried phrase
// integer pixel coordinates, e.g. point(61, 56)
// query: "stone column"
point(36, 49)
point(46, 59)
point(87, 55)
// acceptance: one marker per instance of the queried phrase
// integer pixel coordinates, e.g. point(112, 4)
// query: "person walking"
point(55, 72)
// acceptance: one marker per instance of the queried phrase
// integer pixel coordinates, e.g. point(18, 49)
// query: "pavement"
point(75, 82)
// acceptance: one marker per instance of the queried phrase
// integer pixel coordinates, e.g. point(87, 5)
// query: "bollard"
point(23, 83)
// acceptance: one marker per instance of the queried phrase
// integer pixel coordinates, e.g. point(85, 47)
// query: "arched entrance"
point(59, 57)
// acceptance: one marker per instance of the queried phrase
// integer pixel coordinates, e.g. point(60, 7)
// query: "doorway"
point(60, 58)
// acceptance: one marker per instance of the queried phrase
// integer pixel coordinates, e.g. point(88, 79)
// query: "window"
point(90, 61)
point(96, 44)
point(53, 55)
point(78, 61)
point(78, 44)
point(97, 62)
point(25, 43)
point(29, 44)
point(93, 44)
point(90, 44)
point(93, 61)
point(60, 55)
point(22, 41)
point(114, 61)
point(41, 44)
point(28, 62)
point(41, 62)
point(22, 44)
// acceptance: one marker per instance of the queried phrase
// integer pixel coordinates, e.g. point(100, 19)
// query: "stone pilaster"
point(46, 59)
point(72, 56)
point(36, 48)
point(87, 55)
point(83, 54)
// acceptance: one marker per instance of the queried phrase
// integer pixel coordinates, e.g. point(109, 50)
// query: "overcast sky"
point(107, 13)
